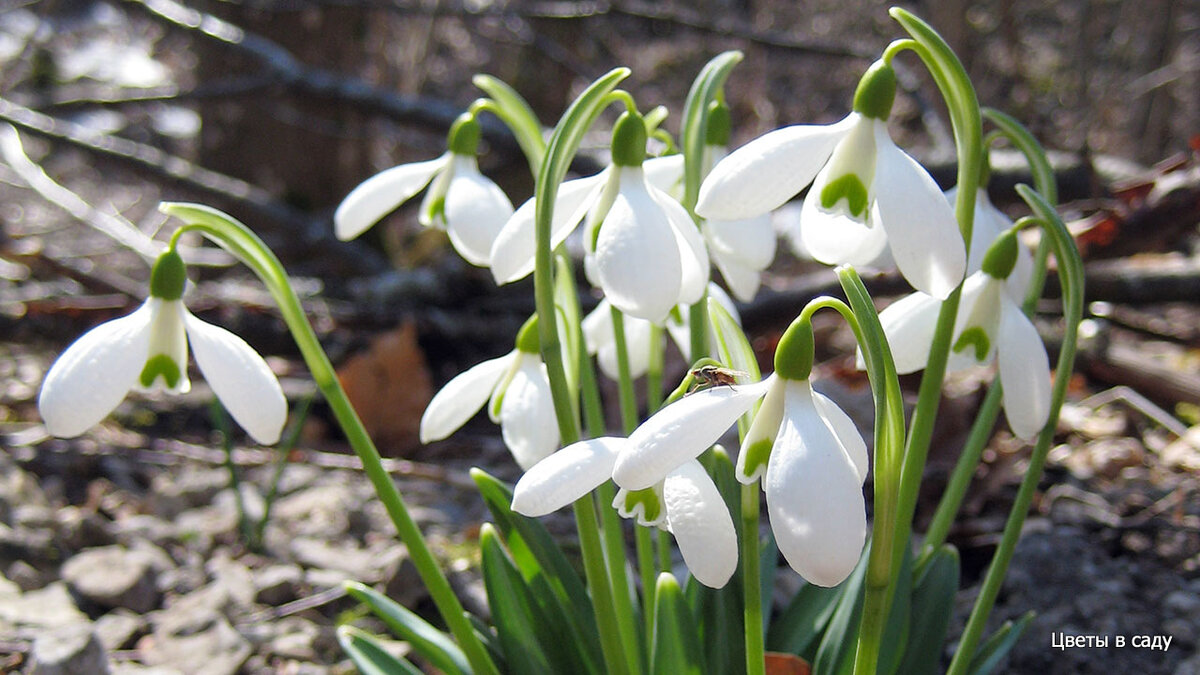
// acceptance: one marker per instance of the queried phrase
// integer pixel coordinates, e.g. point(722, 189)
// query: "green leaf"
point(705, 89)
point(896, 631)
point(369, 656)
point(718, 611)
point(566, 301)
point(431, 643)
point(512, 608)
point(837, 645)
point(558, 590)
point(520, 118)
point(992, 651)
point(735, 351)
point(800, 624)
point(932, 605)
point(676, 646)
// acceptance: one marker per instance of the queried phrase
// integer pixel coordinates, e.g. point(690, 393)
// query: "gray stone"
point(1189, 667)
point(28, 577)
point(49, 607)
point(144, 527)
point(366, 565)
point(193, 488)
point(276, 584)
point(79, 529)
point(69, 650)
point(316, 511)
point(112, 576)
point(119, 629)
point(197, 642)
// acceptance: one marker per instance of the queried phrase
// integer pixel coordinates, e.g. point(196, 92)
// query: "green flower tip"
point(719, 125)
point(528, 340)
point(757, 455)
point(169, 276)
point(629, 140)
point(648, 498)
point(876, 91)
point(794, 353)
point(464, 135)
point(160, 365)
point(1001, 256)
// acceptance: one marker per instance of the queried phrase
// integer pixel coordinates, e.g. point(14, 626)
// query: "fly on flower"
point(715, 376)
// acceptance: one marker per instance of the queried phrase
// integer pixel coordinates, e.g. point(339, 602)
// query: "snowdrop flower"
point(809, 452)
point(990, 222)
point(642, 248)
point(517, 390)
point(685, 502)
point(866, 193)
point(148, 351)
point(468, 205)
point(741, 248)
point(990, 324)
point(600, 339)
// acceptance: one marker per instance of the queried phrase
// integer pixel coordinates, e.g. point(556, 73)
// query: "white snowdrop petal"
point(95, 373)
point(1024, 372)
point(909, 324)
point(920, 225)
point(814, 497)
point(834, 238)
point(768, 171)
point(751, 240)
point(527, 421)
point(240, 378)
point(681, 431)
point(763, 429)
point(638, 258)
point(743, 281)
point(701, 524)
point(597, 326)
point(381, 194)
point(476, 210)
point(665, 173)
point(566, 475)
point(845, 431)
point(462, 397)
point(513, 251)
point(168, 337)
point(693, 255)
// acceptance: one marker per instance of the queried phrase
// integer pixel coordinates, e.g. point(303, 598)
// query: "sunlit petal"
point(768, 171)
point(846, 432)
point(1024, 372)
point(91, 377)
point(527, 421)
point(637, 255)
point(681, 431)
point(693, 255)
point(835, 238)
point(920, 225)
point(566, 475)
point(476, 210)
point(462, 397)
point(381, 194)
point(665, 173)
point(700, 521)
point(515, 245)
point(240, 378)
point(814, 496)
point(909, 324)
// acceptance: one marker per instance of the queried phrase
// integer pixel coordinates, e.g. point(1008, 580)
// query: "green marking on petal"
point(850, 188)
point(648, 498)
point(435, 212)
point(757, 455)
point(974, 336)
point(160, 365)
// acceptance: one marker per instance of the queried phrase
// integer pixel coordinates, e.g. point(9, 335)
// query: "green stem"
point(989, 411)
point(752, 582)
point(1071, 272)
point(628, 400)
point(648, 573)
point(246, 246)
point(619, 656)
point(654, 373)
point(285, 448)
point(882, 561)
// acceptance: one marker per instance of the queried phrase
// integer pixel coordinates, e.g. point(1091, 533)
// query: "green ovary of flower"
point(977, 337)
point(847, 187)
point(160, 365)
